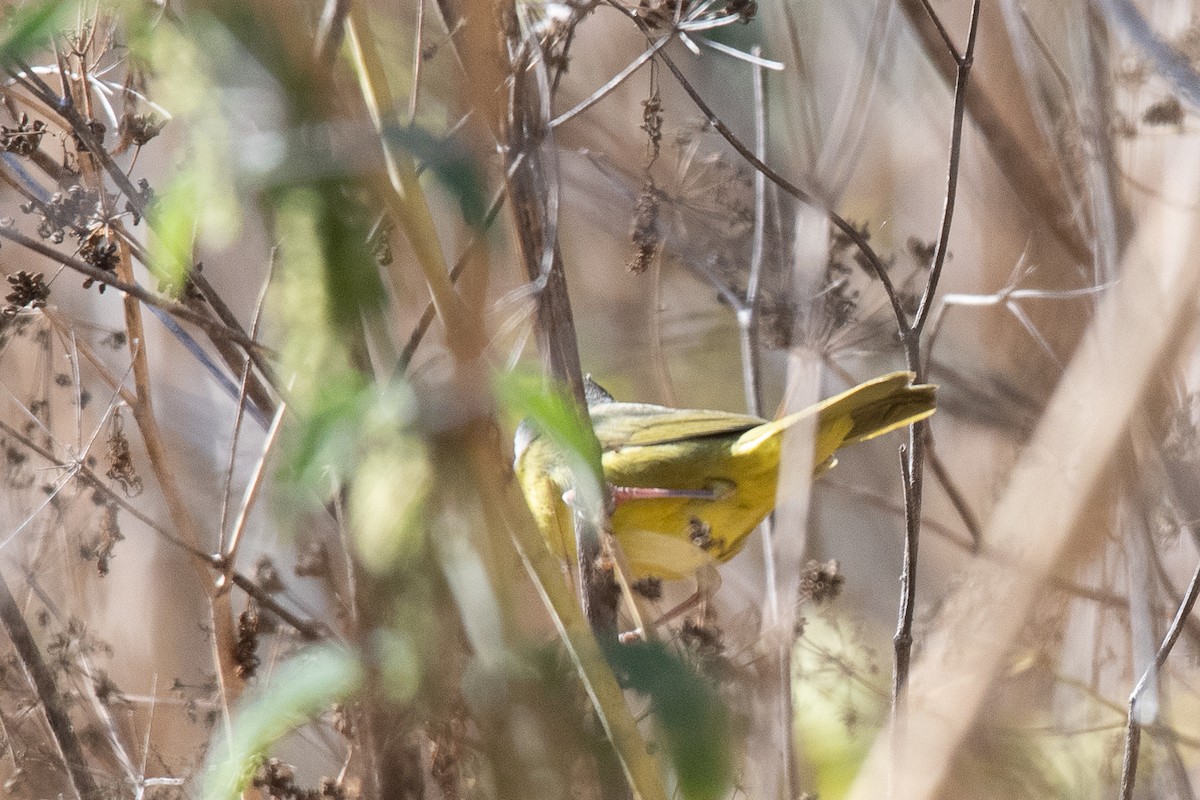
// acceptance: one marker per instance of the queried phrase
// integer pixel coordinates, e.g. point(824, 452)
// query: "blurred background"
point(261, 535)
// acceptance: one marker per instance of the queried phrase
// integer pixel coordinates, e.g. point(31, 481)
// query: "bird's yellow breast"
point(743, 487)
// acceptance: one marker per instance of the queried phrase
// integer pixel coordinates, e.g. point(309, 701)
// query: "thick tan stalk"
point(1038, 523)
point(401, 192)
point(143, 413)
point(221, 608)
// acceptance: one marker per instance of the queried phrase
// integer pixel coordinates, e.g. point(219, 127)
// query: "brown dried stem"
point(1133, 728)
point(49, 699)
point(913, 472)
point(1031, 175)
point(221, 609)
point(527, 132)
point(308, 630)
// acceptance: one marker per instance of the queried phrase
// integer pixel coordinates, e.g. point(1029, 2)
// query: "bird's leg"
point(623, 493)
point(715, 490)
point(708, 580)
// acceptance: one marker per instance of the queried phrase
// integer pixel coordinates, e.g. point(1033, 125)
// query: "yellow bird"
point(690, 485)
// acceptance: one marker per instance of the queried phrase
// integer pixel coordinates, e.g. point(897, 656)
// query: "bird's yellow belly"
point(743, 488)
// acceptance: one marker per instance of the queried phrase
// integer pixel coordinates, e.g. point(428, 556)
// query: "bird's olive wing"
point(629, 424)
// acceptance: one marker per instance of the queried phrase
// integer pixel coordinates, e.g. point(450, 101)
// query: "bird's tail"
point(860, 413)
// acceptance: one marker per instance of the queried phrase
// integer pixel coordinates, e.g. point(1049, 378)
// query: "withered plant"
point(283, 278)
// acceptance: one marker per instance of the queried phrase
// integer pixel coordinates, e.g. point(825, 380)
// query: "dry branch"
point(1035, 525)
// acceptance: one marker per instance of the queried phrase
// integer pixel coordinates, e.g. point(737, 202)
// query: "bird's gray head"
point(524, 437)
point(527, 432)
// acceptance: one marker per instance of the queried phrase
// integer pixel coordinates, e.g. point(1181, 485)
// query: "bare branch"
point(49, 699)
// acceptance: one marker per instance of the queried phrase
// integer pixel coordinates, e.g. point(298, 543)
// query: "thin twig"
point(418, 60)
point(92, 158)
point(49, 699)
point(950, 487)
point(331, 31)
point(611, 84)
point(137, 202)
point(226, 489)
point(422, 326)
point(210, 326)
point(229, 553)
point(960, 109)
point(904, 637)
point(256, 353)
point(208, 299)
point(1030, 173)
point(1133, 727)
point(941, 29)
point(528, 187)
point(117, 384)
point(747, 315)
point(914, 460)
point(780, 712)
point(878, 268)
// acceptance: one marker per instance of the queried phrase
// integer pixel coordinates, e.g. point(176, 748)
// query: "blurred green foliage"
point(302, 689)
point(689, 713)
point(553, 413)
point(450, 163)
point(29, 27)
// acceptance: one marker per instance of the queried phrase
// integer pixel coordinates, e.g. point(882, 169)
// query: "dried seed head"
point(136, 130)
point(120, 459)
point(24, 139)
point(27, 290)
point(1166, 112)
point(821, 582)
point(646, 235)
point(245, 650)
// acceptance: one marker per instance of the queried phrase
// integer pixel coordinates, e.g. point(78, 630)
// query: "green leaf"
point(321, 309)
point(302, 689)
point(352, 283)
point(450, 163)
point(323, 231)
point(325, 439)
point(30, 28)
point(693, 722)
point(553, 413)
